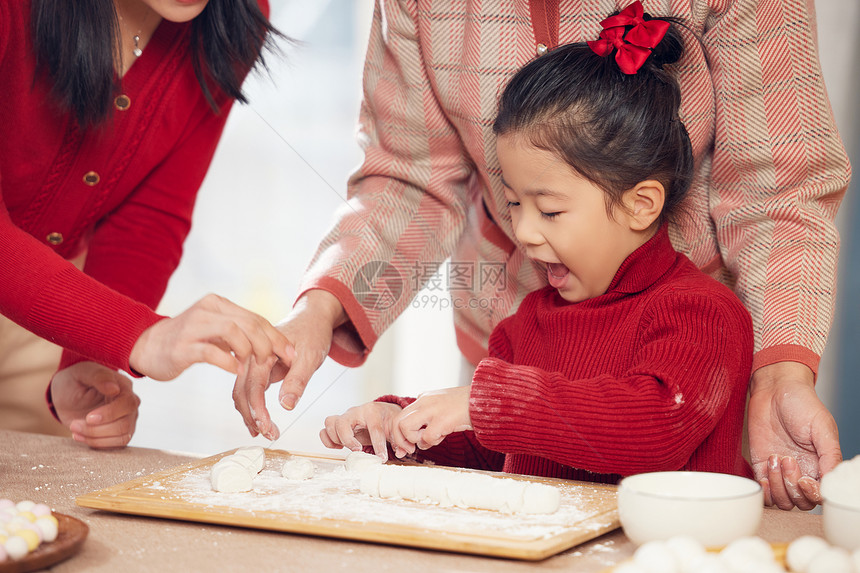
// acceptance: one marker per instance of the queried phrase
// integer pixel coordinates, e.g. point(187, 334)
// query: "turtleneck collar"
point(644, 266)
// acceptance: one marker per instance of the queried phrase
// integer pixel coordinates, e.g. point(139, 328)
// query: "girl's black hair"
point(612, 128)
point(75, 43)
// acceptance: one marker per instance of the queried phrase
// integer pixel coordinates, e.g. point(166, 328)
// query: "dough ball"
point(361, 461)
point(256, 456)
point(231, 476)
point(298, 469)
point(655, 557)
point(831, 560)
point(800, 552)
point(16, 547)
point(48, 526)
point(747, 554)
point(41, 510)
point(688, 551)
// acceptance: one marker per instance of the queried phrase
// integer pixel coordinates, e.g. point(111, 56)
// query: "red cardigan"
point(652, 375)
point(123, 193)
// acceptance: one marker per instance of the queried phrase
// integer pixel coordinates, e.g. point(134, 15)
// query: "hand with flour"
point(366, 425)
point(430, 418)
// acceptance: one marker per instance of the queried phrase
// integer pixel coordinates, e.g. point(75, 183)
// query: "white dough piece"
point(232, 474)
point(656, 557)
point(461, 489)
point(298, 469)
point(748, 554)
point(360, 461)
point(254, 454)
point(802, 550)
point(831, 560)
point(688, 551)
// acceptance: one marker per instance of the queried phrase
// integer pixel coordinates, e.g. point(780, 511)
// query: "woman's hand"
point(429, 419)
point(793, 437)
point(365, 425)
point(96, 403)
point(212, 330)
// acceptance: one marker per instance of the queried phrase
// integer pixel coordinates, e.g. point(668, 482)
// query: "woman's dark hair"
point(75, 43)
point(612, 128)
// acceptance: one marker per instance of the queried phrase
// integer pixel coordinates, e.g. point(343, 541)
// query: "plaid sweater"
point(650, 376)
point(771, 169)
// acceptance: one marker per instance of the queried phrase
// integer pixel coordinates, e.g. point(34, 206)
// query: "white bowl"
point(841, 524)
point(713, 508)
point(840, 489)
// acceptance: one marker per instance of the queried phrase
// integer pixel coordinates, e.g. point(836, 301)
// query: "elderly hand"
point(430, 418)
point(793, 437)
point(308, 330)
point(96, 403)
point(365, 425)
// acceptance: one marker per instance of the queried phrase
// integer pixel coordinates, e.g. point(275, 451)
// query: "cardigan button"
point(91, 178)
point(122, 102)
point(541, 49)
point(54, 238)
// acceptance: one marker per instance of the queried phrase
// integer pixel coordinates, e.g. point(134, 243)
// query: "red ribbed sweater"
point(652, 375)
point(124, 193)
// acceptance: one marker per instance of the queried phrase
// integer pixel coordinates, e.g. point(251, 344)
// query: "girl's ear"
point(644, 203)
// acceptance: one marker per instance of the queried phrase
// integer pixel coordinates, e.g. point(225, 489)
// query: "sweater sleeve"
point(694, 352)
point(49, 296)
point(779, 173)
point(135, 249)
point(460, 449)
point(408, 200)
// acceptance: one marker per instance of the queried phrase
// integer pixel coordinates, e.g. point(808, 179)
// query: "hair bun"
point(671, 47)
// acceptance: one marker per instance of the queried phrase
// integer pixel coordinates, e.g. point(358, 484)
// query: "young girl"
point(631, 360)
point(111, 111)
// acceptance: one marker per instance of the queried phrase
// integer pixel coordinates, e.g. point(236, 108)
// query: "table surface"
point(56, 470)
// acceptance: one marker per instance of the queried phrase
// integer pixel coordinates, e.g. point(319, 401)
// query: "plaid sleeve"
point(407, 202)
point(778, 175)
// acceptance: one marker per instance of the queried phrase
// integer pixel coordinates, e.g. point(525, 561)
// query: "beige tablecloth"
point(56, 470)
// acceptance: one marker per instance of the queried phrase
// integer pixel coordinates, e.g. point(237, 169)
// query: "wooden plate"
point(71, 534)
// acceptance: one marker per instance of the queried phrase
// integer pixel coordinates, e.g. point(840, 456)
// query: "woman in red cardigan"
point(631, 359)
point(110, 115)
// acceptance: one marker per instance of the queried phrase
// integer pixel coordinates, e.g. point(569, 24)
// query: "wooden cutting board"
point(331, 505)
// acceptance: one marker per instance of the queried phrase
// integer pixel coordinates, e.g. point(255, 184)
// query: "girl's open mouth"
point(556, 274)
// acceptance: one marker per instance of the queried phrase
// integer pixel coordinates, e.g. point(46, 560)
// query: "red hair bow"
point(628, 56)
point(645, 33)
point(633, 47)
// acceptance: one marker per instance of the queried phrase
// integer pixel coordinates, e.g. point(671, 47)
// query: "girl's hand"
point(430, 418)
point(96, 403)
point(212, 330)
point(365, 425)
